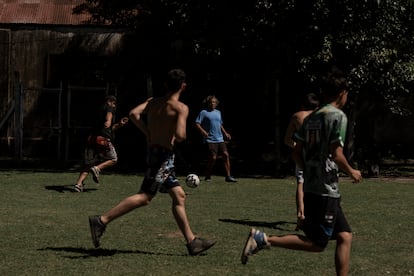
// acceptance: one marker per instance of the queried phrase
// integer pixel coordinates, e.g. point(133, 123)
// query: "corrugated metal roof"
point(56, 12)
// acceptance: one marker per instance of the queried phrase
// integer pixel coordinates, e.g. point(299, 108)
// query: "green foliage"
point(115, 13)
point(44, 228)
point(371, 40)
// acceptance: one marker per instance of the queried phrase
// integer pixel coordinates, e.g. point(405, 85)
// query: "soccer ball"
point(192, 180)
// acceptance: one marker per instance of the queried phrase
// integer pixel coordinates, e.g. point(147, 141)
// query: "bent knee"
point(146, 199)
point(344, 237)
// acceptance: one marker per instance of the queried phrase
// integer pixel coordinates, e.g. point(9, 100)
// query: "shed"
point(54, 68)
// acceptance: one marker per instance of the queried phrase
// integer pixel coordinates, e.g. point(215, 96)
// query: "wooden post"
point(18, 121)
point(277, 127)
point(67, 127)
point(59, 123)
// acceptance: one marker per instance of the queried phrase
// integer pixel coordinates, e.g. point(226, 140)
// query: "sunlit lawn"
point(44, 228)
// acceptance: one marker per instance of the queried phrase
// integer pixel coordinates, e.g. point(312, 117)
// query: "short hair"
point(111, 98)
point(334, 82)
point(310, 101)
point(175, 78)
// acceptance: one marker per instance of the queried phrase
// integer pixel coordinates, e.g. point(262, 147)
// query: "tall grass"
point(44, 228)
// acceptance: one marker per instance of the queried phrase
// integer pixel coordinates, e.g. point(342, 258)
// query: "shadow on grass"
point(67, 188)
point(279, 225)
point(101, 252)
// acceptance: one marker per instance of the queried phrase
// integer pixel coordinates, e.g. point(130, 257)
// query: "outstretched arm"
point(121, 123)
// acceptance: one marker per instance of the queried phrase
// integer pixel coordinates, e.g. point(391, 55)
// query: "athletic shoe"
point(199, 245)
point(78, 188)
point(207, 178)
point(95, 173)
point(97, 229)
point(256, 241)
point(230, 179)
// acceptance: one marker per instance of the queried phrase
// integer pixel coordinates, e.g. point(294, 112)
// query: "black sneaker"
point(230, 179)
point(199, 245)
point(97, 229)
point(207, 178)
point(95, 174)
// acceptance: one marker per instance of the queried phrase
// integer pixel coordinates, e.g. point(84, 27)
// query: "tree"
point(371, 40)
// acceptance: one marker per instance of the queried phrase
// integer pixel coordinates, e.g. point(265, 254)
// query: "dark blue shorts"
point(324, 219)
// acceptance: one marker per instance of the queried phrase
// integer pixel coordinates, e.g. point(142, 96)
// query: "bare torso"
point(166, 121)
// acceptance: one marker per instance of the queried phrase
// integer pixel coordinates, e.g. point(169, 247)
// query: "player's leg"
point(212, 157)
point(148, 190)
point(226, 161)
point(296, 242)
point(343, 253)
point(316, 237)
point(258, 240)
point(89, 160)
point(125, 206)
point(195, 245)
point(343, 243)
point(79, 183)
point(178, 209)
point(108, 157)
point(98, 223)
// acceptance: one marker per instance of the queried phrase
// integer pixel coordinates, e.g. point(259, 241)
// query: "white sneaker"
point(78, 188)
point(255, 242)
point(95, 173)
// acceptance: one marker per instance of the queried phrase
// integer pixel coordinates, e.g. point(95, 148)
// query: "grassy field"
point(44, 228)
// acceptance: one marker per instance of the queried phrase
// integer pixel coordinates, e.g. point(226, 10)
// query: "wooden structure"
point(54, 69)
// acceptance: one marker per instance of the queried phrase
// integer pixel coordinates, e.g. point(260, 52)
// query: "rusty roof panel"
point(59, 12)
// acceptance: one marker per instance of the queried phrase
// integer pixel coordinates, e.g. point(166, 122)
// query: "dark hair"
point(310, 101)
point(175, 78)
point(110, 98)
point(334, 82)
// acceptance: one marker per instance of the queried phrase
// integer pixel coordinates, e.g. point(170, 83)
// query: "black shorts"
point(324, 219)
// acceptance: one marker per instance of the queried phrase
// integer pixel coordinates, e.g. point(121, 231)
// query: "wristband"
point(299, 176)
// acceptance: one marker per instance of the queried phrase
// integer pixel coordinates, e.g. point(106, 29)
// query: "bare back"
point(295, 123)
point(299, 117)
point(167, 118)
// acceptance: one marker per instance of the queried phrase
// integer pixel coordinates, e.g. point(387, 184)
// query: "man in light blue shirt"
point(210, 124)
